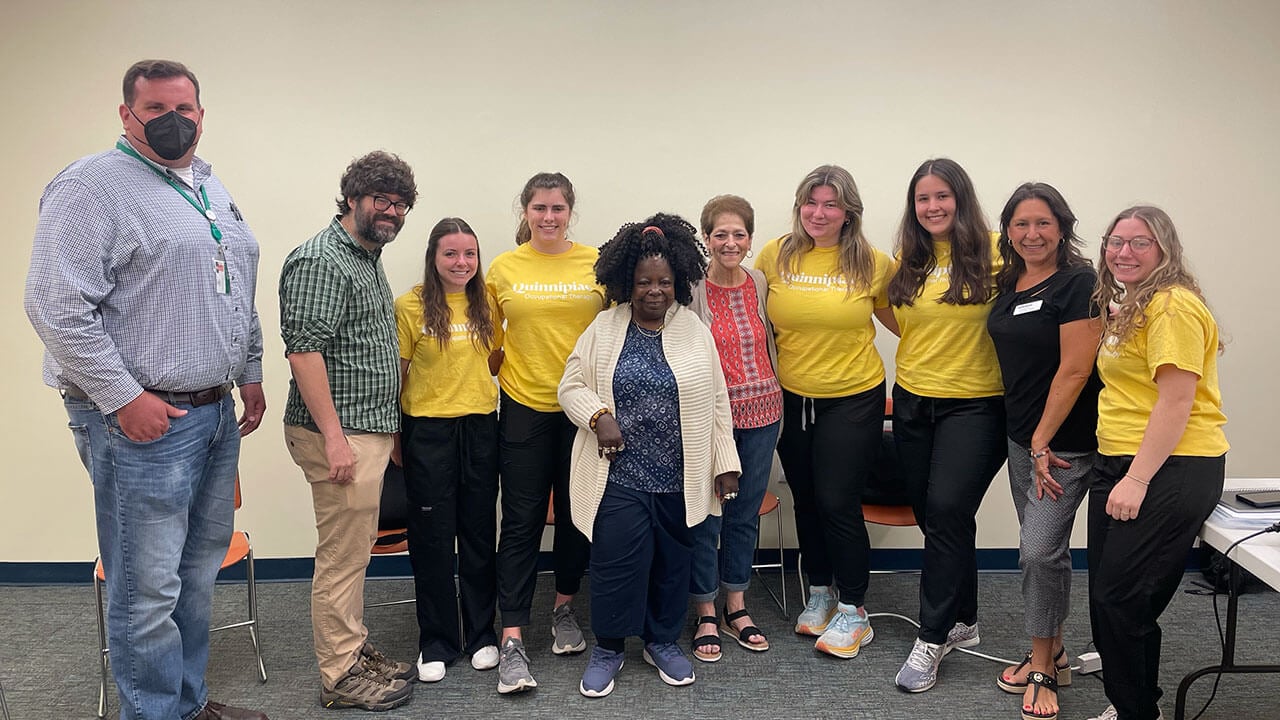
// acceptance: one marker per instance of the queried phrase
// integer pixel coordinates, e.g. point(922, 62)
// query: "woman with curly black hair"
point(654, 454)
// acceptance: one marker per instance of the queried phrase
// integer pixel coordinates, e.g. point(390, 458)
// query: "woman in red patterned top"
point(731, 302)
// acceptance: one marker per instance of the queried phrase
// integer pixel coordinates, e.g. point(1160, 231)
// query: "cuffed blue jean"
point(164, 514)
point(738, 525)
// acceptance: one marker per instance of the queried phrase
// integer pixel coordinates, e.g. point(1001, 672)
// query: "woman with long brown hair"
point(449, 448)
point(948, 413)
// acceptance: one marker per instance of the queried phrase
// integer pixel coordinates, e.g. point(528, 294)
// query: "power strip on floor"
point(1089, 663)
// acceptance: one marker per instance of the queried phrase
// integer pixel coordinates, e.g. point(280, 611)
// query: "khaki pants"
point(346, 528)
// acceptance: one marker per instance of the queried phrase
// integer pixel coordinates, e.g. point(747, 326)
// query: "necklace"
point(647, 332)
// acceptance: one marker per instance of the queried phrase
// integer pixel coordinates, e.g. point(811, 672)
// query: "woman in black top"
point(1046, 334)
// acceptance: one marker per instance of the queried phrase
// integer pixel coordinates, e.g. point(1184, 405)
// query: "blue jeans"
point(164, 515)
point(739, 524)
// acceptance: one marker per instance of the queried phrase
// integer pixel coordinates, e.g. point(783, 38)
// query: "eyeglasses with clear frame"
point(1138, 243)
point(382, 202)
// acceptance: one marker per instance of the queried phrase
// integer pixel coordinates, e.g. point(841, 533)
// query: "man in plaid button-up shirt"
point(337, 317)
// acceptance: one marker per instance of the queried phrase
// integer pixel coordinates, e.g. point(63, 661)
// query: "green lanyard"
point(204, 210)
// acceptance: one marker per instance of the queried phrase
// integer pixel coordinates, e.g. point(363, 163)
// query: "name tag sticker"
point(1027, 307)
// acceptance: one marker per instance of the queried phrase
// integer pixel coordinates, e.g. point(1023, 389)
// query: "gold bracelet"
point(1137, 479)
point(595, 418)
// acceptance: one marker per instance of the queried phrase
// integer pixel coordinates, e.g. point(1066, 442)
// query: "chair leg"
point(252, 611)
point(780, 601)
point(782, 566)
point(102, 646)
point(4, 706)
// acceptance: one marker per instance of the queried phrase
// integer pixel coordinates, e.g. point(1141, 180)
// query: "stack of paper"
point(1232, 513)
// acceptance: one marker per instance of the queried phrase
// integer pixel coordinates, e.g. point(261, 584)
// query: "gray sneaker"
point(920, 671)
point(367, 690)
point(962, 636)
point(513, 668)
point(565, 633)
point(372, 659)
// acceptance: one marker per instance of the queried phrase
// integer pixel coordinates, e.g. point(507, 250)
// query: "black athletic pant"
point(949, 449)
point(533, 452)
point(1135, 567)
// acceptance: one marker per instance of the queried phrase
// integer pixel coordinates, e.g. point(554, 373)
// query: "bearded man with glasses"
point(337, 317)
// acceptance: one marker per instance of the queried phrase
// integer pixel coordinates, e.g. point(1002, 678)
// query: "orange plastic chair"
point(240, 549)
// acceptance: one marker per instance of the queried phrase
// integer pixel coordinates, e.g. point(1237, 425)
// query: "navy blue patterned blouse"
point(648, 412)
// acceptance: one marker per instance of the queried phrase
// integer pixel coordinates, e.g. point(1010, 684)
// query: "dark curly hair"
point(377, 172)
point(677, 243)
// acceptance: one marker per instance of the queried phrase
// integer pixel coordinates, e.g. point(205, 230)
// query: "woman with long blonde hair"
point(1161, 448)
point(826, 282)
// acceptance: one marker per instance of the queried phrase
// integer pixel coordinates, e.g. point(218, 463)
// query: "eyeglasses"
point(1138, 244)
point(381, 203)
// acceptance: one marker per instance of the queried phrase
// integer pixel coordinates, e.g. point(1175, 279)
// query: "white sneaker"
point(486, 658)
point(430, 671)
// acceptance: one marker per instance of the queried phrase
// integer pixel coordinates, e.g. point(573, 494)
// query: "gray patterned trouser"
point(1044, 551)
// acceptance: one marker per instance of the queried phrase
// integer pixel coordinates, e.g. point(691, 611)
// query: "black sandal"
point(1060, 663)
point(706, 647)
point(1039, 680)
point(743, 636)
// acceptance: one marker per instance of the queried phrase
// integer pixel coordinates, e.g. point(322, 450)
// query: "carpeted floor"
point(49, 670)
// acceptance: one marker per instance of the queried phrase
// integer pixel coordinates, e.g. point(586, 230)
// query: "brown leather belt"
point(194, 399)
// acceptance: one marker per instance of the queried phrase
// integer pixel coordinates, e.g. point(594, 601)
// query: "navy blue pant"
point(641, 554)
point(949, 449)
point(1135, 567)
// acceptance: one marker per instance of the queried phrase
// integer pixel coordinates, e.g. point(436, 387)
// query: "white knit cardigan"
point(706, 424)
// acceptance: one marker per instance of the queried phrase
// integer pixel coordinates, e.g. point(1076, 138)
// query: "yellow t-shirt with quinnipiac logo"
point(823, 330)
point(944, 350)
point(449, 382)
point(1179, 331)
point(546, 302)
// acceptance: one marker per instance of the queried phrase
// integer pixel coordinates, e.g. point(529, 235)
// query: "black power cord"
point(1222, 642)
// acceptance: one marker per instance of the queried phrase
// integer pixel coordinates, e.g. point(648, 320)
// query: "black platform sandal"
point(743, 636)
point(706, 647)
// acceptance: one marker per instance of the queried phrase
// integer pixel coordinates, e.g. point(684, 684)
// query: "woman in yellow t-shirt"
point(948, 409)
point(825, 282)
point(545, 291)
point(449, 447)
point(1161, 449)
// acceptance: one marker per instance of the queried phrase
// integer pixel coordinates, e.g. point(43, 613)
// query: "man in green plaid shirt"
point(338, 322)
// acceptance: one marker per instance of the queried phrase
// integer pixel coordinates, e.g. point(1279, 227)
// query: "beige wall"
point(648, 106)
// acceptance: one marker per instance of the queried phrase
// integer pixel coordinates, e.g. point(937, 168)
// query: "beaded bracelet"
point(1037, 455)
point(595, 418)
